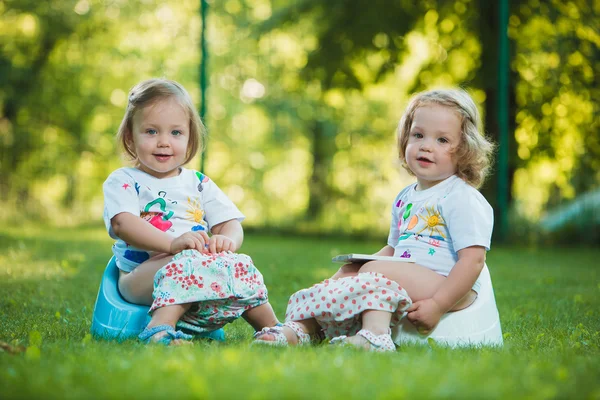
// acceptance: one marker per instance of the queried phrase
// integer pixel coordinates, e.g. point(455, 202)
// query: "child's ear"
point(129, 144)
point(128, 138)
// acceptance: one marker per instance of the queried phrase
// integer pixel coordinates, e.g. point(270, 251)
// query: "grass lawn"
point(549, 303)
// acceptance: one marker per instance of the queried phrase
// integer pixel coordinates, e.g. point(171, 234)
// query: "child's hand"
point(425, 315)
point(219, 243)
point(190, 240)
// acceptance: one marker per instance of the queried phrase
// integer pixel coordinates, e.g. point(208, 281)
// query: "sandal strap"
point(378, 343)
point(278, 335)
point(147, 333)
point(341, 340)
point(381, 342)
point(179, 335)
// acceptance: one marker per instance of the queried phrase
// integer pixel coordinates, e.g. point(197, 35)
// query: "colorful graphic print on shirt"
point(160, 219)
point(426, 224)
point(203, 179)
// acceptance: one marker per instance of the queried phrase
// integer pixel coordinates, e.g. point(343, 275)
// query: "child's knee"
point(350, 268)
point(346, 270)
point(134, 291)
point(370, 266)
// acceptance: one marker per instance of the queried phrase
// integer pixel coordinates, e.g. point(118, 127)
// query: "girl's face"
point(161, 132)
point(434, 133)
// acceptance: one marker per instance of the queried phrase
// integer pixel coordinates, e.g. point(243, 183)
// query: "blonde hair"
point(474, 152)
point(146, 93)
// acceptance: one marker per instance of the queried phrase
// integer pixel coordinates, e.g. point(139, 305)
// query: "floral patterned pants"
point(337, 304)
point(221, 287)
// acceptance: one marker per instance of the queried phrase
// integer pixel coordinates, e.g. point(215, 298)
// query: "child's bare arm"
point(461, 278)
point(387, 251)
point(426, 314)
point(140, 233)
point(227, 236)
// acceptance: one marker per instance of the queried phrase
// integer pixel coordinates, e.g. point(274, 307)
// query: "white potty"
point(476, 325)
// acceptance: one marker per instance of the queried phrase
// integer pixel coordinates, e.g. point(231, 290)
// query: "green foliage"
point(555, 149)
point(548, 302)
point(68, 66)
point(303, 99)
point(557, 48)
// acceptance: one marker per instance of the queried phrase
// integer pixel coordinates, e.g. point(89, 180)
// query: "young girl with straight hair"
point(176, 232)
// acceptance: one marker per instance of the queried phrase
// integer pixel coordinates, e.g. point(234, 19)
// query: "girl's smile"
point(160, 137)
point(163, 157)
point(424, 161)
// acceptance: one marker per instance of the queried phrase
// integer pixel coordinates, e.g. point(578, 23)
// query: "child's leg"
point(168, 315)
point(347, 270)
point(137, 286)
point(307, 326)
point(375, 322)
point(419, 282)
point(261, 316)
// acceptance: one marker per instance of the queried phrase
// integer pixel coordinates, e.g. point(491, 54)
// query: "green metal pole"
point(503, 108)
point(203, 78)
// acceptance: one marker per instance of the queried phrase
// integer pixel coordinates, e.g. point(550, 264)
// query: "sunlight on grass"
point(18, 264)
point(318, 274)
point(49, 279)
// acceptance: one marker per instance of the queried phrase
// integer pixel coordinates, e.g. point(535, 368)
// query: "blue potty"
point(115, 318)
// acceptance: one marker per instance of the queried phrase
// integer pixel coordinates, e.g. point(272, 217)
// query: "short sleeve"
point(394, 231)
point(120, 195)
point(469, 218)
point(218, 207)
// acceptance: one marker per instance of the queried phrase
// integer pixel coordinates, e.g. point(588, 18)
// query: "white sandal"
point(379, 343)
point(279, 336)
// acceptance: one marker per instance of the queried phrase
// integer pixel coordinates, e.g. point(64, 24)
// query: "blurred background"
point(301, 100)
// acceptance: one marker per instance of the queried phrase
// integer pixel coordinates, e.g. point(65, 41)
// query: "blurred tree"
point(304, 97)
point(361, 42)
point(32, 31)
point(555, 45)
point(65, 68)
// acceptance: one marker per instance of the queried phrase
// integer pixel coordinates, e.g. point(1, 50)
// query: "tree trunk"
point(318, 187)
point(488, 75)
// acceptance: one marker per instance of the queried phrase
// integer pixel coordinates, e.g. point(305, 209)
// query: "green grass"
point(549, 303)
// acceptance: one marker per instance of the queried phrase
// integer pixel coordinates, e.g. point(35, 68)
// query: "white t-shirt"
point(183, 203)
point(430, 226)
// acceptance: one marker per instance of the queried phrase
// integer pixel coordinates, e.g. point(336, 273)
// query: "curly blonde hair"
point(148, 92)
point(474, 152)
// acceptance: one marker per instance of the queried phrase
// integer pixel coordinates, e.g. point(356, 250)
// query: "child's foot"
point(365, 339)
point(164, 334)
point(276, 336)
point(290, 334)
point(358, 341)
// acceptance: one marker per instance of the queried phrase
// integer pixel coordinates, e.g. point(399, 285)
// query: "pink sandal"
point(379, 343)
point(279, 336)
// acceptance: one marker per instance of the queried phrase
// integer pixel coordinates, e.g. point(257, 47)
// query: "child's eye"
point(417, 135)
point(443, 140)
point(150, 131)
point(175, 133)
